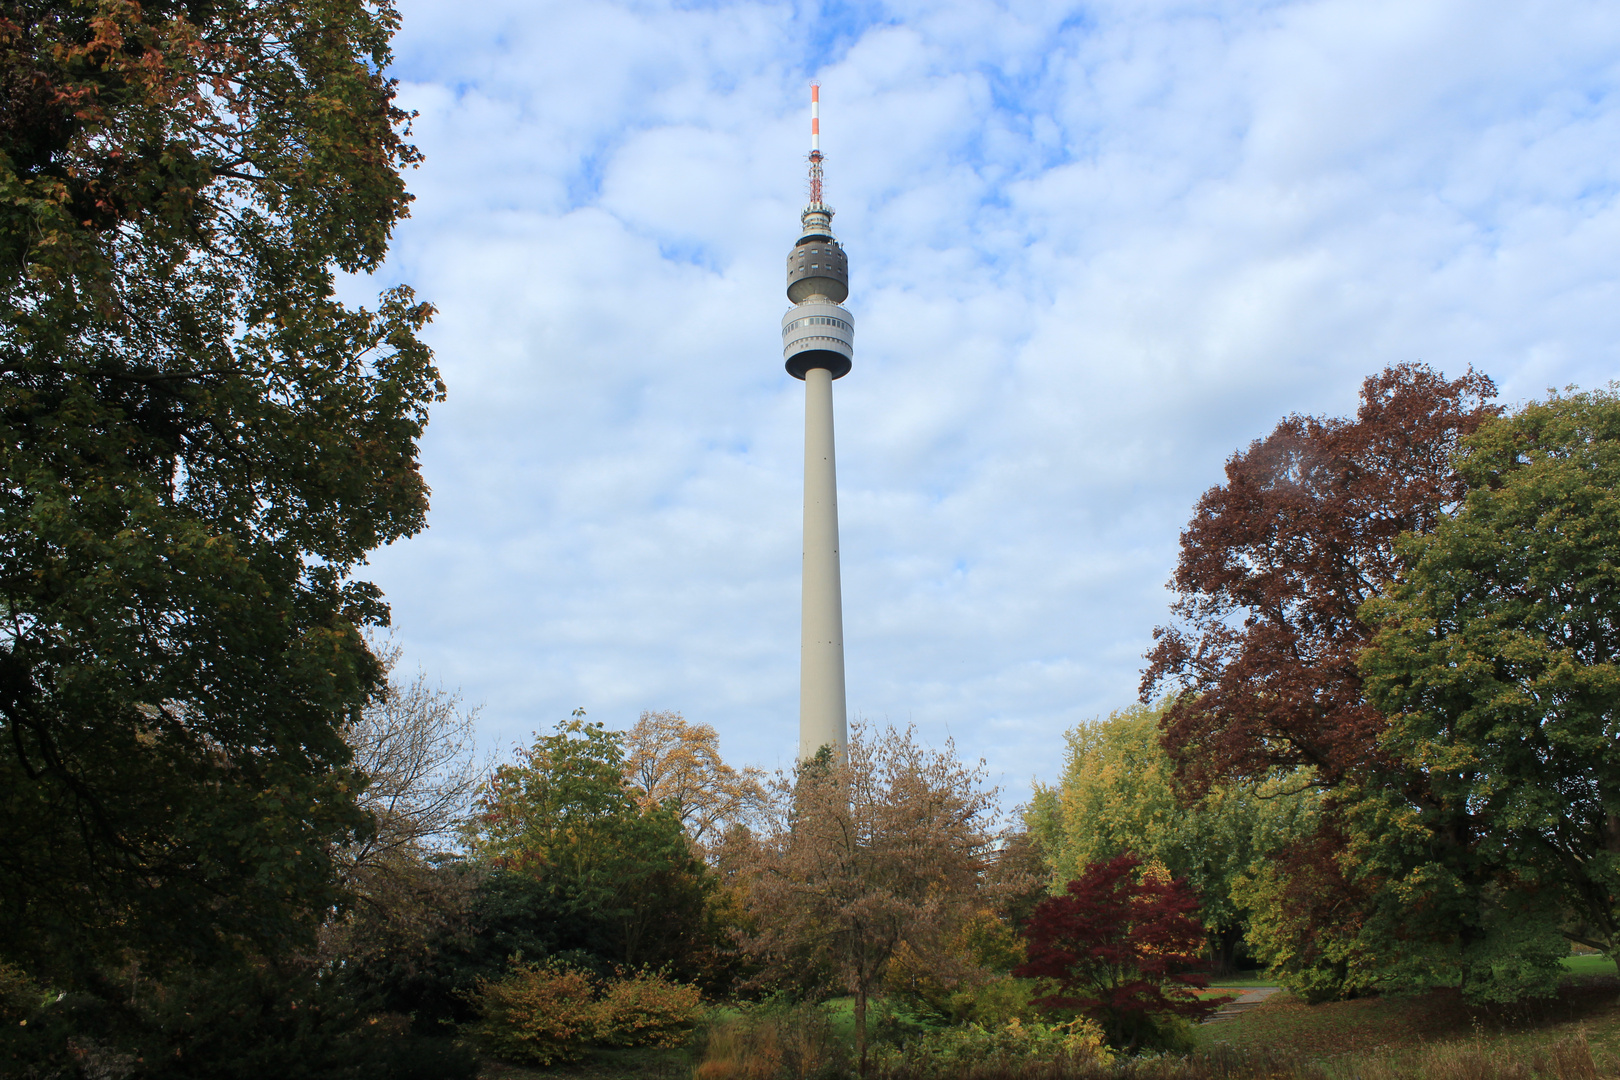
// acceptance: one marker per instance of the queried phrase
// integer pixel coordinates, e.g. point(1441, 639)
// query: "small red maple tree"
point(1121, 946)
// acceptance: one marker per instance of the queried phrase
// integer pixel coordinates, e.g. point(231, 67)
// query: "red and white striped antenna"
point(815, 145)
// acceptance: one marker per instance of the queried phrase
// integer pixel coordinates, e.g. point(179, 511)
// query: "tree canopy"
point(1118, 945)
point(1275, 566)
point(1262, 670)
point(1117, 795)
point(622, 873)
point(199, 443)
point(1497, 660)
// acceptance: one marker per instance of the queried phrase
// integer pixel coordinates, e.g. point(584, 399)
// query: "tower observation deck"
point(818, 346)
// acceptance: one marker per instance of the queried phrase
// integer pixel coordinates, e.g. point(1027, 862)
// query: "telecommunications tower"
point(818, 346)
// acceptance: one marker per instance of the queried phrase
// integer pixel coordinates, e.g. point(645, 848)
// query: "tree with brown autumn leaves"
point(1275, 566)
point(1261, 668)
point(858, 857)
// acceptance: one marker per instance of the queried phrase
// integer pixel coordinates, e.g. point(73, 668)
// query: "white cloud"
point(1095, 249)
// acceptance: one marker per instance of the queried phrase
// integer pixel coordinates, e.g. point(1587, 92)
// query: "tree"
point(676, 763)
point(1497, 660)
point(414, 748)
point(564, 815)
point(860, 856)
point(414, 745)
point(1262, 668)
point(1275, 566)
point(1119, 943)
point(199, 444)
point(1117, 795)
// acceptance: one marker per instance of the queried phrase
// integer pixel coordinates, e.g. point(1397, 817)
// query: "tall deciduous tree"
point(1275, 566)
point(414, 747)
point(857, 857)
point(1497, 660)
point(198, 444)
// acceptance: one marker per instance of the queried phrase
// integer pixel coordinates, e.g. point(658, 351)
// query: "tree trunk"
point(1223, 950)
point(860, 1027)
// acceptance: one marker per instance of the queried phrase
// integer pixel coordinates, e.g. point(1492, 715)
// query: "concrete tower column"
point(822, 715)
point(818, 346)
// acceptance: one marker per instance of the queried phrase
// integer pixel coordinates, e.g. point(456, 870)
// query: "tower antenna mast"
point(815, 146)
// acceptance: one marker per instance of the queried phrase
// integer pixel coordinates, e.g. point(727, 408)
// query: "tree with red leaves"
point(1119, 943)
point(1275, 565)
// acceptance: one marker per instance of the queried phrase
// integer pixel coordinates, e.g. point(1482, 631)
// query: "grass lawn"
point(1589, 1004)
point(1339, 1034)
point(1243, 980)
point(1590, 964)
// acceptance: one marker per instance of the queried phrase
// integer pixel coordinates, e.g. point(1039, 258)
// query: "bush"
point(647, 1010)
point(20, 998)
point(546, 1014)
point(541, 1014)
point(945, 1053)
point(1001, 1001)
point(284, 1021)
point(262, 1020)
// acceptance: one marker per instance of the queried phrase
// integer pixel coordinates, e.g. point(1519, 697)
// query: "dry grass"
point(790, 1044)
point(1587, 1007)
point(637, 1064)
point(1566, 1059)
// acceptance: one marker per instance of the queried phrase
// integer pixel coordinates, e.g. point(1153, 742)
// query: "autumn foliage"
point(546, 1014)
point(1275, 566)
point(1119, 945)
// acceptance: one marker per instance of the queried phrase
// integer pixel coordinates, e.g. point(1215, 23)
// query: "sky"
point(1094, 249)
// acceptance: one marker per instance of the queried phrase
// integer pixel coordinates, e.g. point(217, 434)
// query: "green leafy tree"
point(199, 443)
point(1497, 660)
point(1117, 794)
point(564, 815)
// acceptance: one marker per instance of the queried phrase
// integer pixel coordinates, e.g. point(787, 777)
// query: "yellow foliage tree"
point(675, 763)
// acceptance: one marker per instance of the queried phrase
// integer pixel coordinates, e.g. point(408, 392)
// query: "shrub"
point(1121, 944)
point(647, 1009)
point(550, 1013)
point(261, 1020)
point(19, 997)
point(948, 1052)
point(1000, 1001)
point(540, 1014)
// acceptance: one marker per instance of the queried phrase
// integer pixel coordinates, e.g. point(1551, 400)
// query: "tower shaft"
point(822, 716)
point(818, 346)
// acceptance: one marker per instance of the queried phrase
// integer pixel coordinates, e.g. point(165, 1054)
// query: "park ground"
point(1435, 1033)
